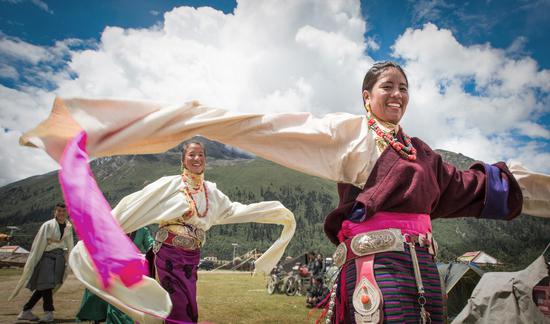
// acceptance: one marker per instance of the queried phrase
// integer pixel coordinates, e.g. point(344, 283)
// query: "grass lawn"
point(223, 297)
point(240, 298)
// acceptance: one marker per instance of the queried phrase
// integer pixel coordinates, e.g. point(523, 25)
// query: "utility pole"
point(234, 251)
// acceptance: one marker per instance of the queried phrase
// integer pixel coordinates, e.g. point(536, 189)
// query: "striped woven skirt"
point(394, 275)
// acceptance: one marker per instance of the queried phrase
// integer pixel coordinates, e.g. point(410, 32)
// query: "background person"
point(44, 270)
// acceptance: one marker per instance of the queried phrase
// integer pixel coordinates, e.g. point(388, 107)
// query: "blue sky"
point(479, 69)
point(500, 23)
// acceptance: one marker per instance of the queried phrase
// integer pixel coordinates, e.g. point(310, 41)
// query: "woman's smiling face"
point(194, 159)
point(389, 96)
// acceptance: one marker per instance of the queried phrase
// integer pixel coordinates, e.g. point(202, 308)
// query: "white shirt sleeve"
point(535, 188)
point(158, 201)
point(130, 300)
point(267, 212)
point(338, 147)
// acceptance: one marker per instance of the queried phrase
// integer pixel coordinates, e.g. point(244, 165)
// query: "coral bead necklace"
point(193, 184)
point(406, 151)
point(194, 203)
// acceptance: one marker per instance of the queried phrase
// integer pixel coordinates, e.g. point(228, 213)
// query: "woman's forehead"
point(390, 74)
point(194, 148)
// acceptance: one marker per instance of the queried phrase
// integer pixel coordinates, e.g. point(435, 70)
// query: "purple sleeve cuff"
point(357, 213)
point(496, 194)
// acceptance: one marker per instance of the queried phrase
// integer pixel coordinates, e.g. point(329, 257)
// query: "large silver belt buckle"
point(377, 241)
point(185, 242)
point(339, 256)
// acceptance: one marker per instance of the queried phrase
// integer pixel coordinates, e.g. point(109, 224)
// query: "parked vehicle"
point(297, 281)
point(206, 265)
point(275, 281)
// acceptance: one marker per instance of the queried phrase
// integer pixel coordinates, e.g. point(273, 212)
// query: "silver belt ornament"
point(366, 312)
point(371, 242)
point(191, 239)
point(379, 241)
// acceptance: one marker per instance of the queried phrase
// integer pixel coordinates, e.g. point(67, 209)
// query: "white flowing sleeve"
point(267, 212)
point(146, 302)
point(338, 147)
point(37, 249)
point(158, 201)
point(535, 188)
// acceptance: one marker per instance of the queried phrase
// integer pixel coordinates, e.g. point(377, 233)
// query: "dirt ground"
point(66, 300)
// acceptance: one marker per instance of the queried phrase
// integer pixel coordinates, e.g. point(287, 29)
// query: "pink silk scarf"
point(408, 224)
point(112, 252)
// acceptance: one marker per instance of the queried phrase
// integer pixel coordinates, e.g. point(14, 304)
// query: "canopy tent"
point(478, 257)
point(458, 281)
point(506, 297)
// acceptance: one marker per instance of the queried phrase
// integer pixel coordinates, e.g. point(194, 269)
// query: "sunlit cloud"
point(298, 56)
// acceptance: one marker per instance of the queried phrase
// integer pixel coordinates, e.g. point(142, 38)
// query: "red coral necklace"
point(406, 151)
point(194, 203)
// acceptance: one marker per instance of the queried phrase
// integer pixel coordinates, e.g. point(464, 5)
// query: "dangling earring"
point(367, 107)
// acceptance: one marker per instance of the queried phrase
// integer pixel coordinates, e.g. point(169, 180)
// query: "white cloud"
point(8, 72)
point(29, 65)
point(42, 5)
point(266, 55)
point(19, 111)
point(481, 125)
point(372, 44)
point(39, 3)
point(237, 61)
point(13, 48)
point(290, 56)
point(22, 162)
point(517, 46)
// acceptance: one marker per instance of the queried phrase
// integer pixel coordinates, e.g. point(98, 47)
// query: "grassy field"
point(223, 297)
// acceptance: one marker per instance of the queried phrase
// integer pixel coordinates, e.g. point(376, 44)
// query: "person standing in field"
point(44, 271)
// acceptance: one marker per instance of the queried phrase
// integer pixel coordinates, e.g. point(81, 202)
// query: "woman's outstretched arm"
point(338, 147)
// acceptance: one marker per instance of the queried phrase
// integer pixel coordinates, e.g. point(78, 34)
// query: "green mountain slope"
point(29, 202)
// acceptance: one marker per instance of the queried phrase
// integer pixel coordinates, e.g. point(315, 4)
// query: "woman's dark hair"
point(374, 73)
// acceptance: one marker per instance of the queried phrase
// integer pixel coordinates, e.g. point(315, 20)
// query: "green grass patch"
point(232, 297)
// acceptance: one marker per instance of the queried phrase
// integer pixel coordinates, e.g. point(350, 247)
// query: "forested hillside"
point(29, 202)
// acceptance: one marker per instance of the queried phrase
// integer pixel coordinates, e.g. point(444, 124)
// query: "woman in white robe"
point(185, 206)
